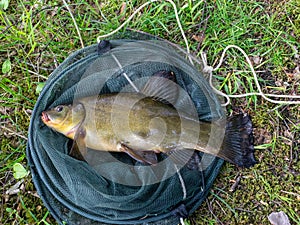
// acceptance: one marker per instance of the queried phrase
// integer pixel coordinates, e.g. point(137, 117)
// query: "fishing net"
point(113, 188)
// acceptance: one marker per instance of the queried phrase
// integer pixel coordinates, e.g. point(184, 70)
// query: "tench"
point(136, 123)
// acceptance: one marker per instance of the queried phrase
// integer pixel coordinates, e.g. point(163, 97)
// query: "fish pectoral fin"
point(75, 152)
point(147, 157)
point(79, 150)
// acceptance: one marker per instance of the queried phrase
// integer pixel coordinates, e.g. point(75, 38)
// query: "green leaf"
point(39, 87)
point(4, 4)
point(6, 66)
point(19, 171)
point(9, 210)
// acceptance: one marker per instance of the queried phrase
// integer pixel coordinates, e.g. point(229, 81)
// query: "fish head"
point(64, 118)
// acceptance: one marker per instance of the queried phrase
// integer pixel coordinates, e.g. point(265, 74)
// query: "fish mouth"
point(45, 117)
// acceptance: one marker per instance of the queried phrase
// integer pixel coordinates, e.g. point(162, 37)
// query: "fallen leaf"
point(199, 38)
point(256, 60)
point(15, 188)
point(19, 171)
point(6, 66)
point(279, 218)
point(39, 87)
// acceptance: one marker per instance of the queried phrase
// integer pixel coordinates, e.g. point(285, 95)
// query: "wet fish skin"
point(103, 119)
point(151, 126)
point(146, 122)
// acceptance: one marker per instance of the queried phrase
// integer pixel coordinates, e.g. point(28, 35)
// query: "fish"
point(143, 124)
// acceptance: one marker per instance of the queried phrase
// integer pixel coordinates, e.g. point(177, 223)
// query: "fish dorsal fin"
point(169, 92)
point(161, 89)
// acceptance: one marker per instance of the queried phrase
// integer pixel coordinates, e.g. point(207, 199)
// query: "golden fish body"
point(136, 123)
point(140, 122)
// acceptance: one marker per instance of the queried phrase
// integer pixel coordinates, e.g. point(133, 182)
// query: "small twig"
point(28, 112)
point(290, 193)
point(236, 183)
point(244, 210)
point(211, 211)
point(218, 203)
point(13, 132)
point(40, 67)
point(34, 193)
point(291, 150)
point(37, 74)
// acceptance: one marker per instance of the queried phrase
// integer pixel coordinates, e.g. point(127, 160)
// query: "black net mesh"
point(100, 193)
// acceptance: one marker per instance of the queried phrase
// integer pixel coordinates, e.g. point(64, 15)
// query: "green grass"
point(36, 37)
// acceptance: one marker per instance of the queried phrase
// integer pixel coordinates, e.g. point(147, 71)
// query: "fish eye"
point(59, 108)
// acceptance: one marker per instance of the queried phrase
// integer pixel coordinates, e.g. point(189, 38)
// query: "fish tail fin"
point(237, 146)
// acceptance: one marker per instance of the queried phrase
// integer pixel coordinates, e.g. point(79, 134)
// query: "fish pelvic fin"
point(147, 157)
point(79, 149)
point(237, 146)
